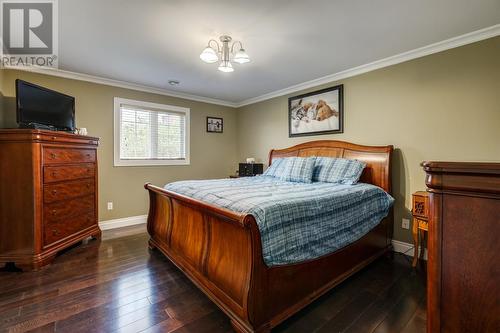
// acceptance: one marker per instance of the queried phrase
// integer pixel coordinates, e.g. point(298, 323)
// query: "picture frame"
point(316, 113)
point(215, 125)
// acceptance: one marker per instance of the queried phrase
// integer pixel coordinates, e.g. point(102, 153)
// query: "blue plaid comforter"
point(297, 221)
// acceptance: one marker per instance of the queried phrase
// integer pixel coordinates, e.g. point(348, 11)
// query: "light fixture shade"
point(241, 57)
point(209, 55)
point(226, 67)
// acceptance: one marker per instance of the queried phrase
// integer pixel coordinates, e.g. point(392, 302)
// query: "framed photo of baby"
point(316, 113)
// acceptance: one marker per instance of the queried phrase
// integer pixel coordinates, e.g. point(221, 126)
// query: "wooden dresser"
point(463, 270)
point(48, 194)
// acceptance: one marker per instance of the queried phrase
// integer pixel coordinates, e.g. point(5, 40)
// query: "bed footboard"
point(216, 248)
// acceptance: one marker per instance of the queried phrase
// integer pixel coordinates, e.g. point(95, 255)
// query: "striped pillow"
point(337, 170)
point(297, 169)
point(275, 169)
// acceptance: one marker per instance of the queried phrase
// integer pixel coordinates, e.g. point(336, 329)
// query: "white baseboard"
point(405, 248)
point(123, 222)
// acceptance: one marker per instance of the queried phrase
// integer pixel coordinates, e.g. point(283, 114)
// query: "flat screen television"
point(39, 107)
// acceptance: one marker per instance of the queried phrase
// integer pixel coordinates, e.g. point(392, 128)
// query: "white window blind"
point(150, 133)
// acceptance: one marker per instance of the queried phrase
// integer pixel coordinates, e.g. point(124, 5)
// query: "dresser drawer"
point(55, 231)
point(68, 190)
point(70, 172)
point(61, 210)
point(68, 155)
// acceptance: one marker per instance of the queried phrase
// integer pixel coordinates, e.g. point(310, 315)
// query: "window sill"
point(145, 163)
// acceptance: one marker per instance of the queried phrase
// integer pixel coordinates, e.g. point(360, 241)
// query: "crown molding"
point(444, 45)
point(447, 44)
point(120, 84)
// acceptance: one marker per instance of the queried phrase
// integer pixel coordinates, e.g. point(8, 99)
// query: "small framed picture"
point(215, 125)
point(318, 112)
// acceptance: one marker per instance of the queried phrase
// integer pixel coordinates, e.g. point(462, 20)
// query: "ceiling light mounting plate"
point(225, 38)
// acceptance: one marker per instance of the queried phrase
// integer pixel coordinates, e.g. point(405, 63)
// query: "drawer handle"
point(54, 173)
point(54, 192)
point(54, 212)
point(88, 185)
point(54, 137)
point(53, 156)
point(55, 232)
point(88, 155)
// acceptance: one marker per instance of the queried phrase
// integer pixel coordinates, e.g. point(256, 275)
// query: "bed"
point(221, 250)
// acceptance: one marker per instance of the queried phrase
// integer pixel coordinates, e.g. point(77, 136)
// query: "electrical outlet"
point(405, 224)
point(110, 206)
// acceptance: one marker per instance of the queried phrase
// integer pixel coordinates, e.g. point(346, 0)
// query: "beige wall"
point(444, 106)
point(212, 155)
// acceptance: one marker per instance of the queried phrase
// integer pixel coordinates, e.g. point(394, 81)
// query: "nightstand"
point(420, 212)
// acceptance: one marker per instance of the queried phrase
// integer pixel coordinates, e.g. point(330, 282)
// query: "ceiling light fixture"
point(212, 53)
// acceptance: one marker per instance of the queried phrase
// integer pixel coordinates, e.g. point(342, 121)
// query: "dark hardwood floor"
point(116, 285)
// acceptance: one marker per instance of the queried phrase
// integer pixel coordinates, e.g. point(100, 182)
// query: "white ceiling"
point(149, 42)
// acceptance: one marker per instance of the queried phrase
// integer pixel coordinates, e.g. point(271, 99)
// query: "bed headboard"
point(377, 158)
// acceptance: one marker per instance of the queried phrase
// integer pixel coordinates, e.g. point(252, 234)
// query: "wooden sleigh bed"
point(221, 252)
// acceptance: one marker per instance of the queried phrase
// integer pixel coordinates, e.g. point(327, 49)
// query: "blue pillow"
point(275, 169)
point(297, 169)
point(337, 170)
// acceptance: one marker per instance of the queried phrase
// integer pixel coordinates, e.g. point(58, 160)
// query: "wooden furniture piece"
point(221, 251)
point(48, 194)
point(420, 212)
point(463, 248)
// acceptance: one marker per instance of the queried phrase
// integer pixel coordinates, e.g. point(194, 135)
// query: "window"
point(150, 134)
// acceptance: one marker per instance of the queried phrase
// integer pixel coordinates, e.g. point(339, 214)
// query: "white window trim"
point(147, 105)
